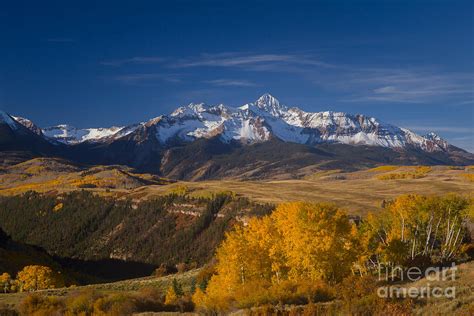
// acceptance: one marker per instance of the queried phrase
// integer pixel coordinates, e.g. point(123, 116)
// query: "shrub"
point(160, 271)
point(116, 304)
point(359, 295)
point(5, 310)
point(5, 282)
point(37, 305)
point(82, 302)
point(181, 267)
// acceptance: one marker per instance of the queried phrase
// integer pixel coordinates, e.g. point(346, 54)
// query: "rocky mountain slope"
point(259, 121)
point(265, 137)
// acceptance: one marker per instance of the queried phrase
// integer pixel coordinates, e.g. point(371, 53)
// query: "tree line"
point(303, 252)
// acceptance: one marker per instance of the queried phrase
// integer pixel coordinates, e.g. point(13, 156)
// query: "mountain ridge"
point(258, 121)
point(261, 139)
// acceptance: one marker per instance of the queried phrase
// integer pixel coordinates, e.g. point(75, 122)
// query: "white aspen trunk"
point(454, 244)
point(428, 235)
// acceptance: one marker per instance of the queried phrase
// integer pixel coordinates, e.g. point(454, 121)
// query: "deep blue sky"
point(101, 63)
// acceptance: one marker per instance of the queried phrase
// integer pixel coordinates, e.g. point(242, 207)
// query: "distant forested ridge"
point(165, 231)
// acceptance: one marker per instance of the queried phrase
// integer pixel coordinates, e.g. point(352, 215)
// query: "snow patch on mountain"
point(258, 121)
point(29, 125)
point(267, 118)
point(70, 135)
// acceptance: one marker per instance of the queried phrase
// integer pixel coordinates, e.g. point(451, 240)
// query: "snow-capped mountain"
point(259, 121)
point(6, 119)
point(29, 125)
point(258, 140)
point(19, 134)
point(267, 119)
point(70, 135)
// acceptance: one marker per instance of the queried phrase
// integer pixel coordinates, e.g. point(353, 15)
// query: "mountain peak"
point(268, 99)
point(28, 124)
point(438, 140)
point(270, 104)
point(7, 119)
point(190, 110)
point(433, 136)
point(257, 121)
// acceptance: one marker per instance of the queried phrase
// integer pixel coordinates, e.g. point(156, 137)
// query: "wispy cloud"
point(458, 135)
point(470, 101)
point(405, 85)
point(133, 60)
point(363, 84)
point(250, 61)
point(448, 129)
point(464, 142)
point(231, 83)
point(135, 79)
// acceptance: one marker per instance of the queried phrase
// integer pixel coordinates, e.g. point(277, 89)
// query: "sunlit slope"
point(358, 191)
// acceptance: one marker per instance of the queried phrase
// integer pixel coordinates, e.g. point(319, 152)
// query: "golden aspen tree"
point(265, 260)
point(35, 277)
point(5, 282)
point(318, 239)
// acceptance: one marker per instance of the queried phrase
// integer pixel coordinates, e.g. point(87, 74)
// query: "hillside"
point(170, 229)
point(49, 174)
point(336, 185)
point(311, 184)
point(358, 191)
point(14, 256)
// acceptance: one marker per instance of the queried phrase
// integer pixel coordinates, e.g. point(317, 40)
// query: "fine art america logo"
point(425, 289)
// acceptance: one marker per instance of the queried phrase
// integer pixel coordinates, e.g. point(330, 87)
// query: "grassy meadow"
point(358, 192)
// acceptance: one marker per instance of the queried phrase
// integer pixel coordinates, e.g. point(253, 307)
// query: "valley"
point(357, 191)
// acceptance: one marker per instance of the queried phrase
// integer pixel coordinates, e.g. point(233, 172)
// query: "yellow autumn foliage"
point(468, 176)
point(171, 297)
point(414, 226)
point(297, 243)
point(384, 168)
point(36, 277)
point(58, 207)
point(5, 282)
point(417, 173)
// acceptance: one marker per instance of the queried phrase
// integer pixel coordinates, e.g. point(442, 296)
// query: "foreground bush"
point(91, 302)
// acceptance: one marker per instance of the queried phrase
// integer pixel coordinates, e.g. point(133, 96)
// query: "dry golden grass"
point(126, 286)
point(411, 173)
point(461, 304)
point(49, 174)
point(359, 192)
point(322, 174)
